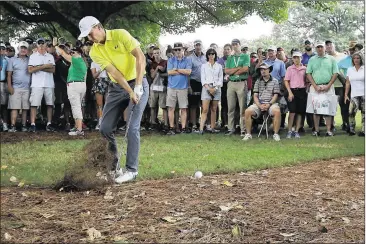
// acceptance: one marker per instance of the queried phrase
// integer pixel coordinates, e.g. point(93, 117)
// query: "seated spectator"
point(266, 90)
point(76, 85)
point(212, 81)
point(158, 90)
point(356, 81)
point(296, 88)
point(179, 69)
point(19, 86)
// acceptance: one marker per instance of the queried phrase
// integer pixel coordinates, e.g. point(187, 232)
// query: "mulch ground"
point(315, 202)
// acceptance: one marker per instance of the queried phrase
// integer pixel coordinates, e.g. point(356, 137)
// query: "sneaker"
point(229, 133)
point(344, 127)
point(289, 135)
point(67, 127)
point(214, 131)
point(76, 133)
point(276, 137)
point(127, 176)
point(12, 129)
point(115, 173)
point(5, 127)
point(329, 134)
point(194, 129)
point(97, 127)
point(302, 130)
point(184, 131)
point(24, 128)
point(361, 134)
point(352, 131)
point(73, 129)
point(171, 132)
point(49, 128)
point(32, 128)
point(316, 133)
point(247, 137)
point(243, 133)
point(296, 135)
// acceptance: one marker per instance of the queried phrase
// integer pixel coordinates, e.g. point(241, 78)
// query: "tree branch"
point(208, 11)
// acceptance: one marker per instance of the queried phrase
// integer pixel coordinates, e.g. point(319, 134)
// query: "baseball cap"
point(151, 45)
point(307, 42)
point(280, 49)
point(272, 48)
point(23, 44)
point(265, 66)
point(235, 41)
point(297, 54)
point(2, 45)
point(327, 42)
point(178, 45)
point(40, 39)
point(320, 44)
point(197, 42)
point(86, 24)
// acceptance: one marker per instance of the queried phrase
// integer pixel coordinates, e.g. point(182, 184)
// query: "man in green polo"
point(237, 67)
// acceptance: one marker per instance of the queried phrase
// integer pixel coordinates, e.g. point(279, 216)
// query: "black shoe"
point(361, 133)
point(184, 131)
point(352, 131)
point(229, 133)
point(171, 132)
point(301, 130)
point(344, 127)
point(32, 128)
point(316, 133)
point(50, 128)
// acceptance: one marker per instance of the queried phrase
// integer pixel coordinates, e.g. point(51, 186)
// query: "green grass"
point(43, 164)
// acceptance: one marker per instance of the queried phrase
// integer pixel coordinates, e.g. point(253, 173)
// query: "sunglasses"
point(211, 54)
point(178, 49)
point(40, 42)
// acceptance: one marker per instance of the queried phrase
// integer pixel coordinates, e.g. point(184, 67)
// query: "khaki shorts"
point(4, 93)
point(157, 98)
point(20, 99)
point(258, 112)
point(175, 95)
point(37, 94)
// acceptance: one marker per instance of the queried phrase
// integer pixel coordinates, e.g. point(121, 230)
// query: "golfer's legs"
point(111, 114)
point(133, 137)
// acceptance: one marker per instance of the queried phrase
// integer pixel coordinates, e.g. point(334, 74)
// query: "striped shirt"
point(266, 90)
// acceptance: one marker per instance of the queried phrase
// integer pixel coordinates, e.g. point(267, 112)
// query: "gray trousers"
point(117, 100)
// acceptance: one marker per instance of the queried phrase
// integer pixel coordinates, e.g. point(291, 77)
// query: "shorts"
point(4, 93)
point(20, 99)
point(298, 103)
point(157, 98)
point(205, 95)
point(100, 86)
point(258, 112)
point(37, 94)
point(195, 98)
point(177, 95)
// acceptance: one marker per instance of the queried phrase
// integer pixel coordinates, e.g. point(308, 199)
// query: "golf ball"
point(198, 175)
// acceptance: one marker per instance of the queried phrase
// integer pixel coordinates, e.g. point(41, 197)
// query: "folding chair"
point(265, 123)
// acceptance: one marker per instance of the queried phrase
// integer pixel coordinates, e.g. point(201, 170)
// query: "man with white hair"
point(18, 79)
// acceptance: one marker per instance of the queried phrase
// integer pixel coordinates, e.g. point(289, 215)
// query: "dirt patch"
point(315, 202)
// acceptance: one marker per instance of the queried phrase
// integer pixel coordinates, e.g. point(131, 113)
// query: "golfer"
point(117, 52)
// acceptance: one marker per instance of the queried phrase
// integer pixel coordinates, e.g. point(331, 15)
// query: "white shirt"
point(42, 78)
point(357, 80)
point(212, 74)
point(96, 66)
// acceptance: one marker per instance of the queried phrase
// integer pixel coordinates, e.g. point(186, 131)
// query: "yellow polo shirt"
point(116, 51)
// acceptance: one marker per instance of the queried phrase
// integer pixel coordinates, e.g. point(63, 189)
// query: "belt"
point(3, 81)
point(296, 89)
point(74, 81)
point(237, 80)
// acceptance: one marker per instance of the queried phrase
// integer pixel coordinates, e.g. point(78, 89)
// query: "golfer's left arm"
point(140, 64)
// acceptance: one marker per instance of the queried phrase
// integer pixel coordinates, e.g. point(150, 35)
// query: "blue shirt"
point(279, 69)
point(196, 66)
point(180, 81)
point(344, 64)
point(305, 58)
point(3, 69)
point(20, 76)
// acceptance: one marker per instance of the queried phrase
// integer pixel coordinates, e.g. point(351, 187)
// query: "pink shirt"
point(296, 76)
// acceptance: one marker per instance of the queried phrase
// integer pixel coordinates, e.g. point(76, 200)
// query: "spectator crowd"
point(55, 85)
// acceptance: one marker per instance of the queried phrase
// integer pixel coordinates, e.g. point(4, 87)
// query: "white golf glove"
point(138, 90)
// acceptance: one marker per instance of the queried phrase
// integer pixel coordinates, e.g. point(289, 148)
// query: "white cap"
point(23, 44)
point(297, 54)
point(86, 24)
point(272, 48)
point(2, 45)
point(320, 44)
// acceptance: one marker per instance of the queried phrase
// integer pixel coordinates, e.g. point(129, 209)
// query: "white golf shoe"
point(127, 176)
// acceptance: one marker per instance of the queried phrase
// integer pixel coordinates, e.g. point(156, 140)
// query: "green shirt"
point(322, 68)
point(77, 70)
point(235, 61)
